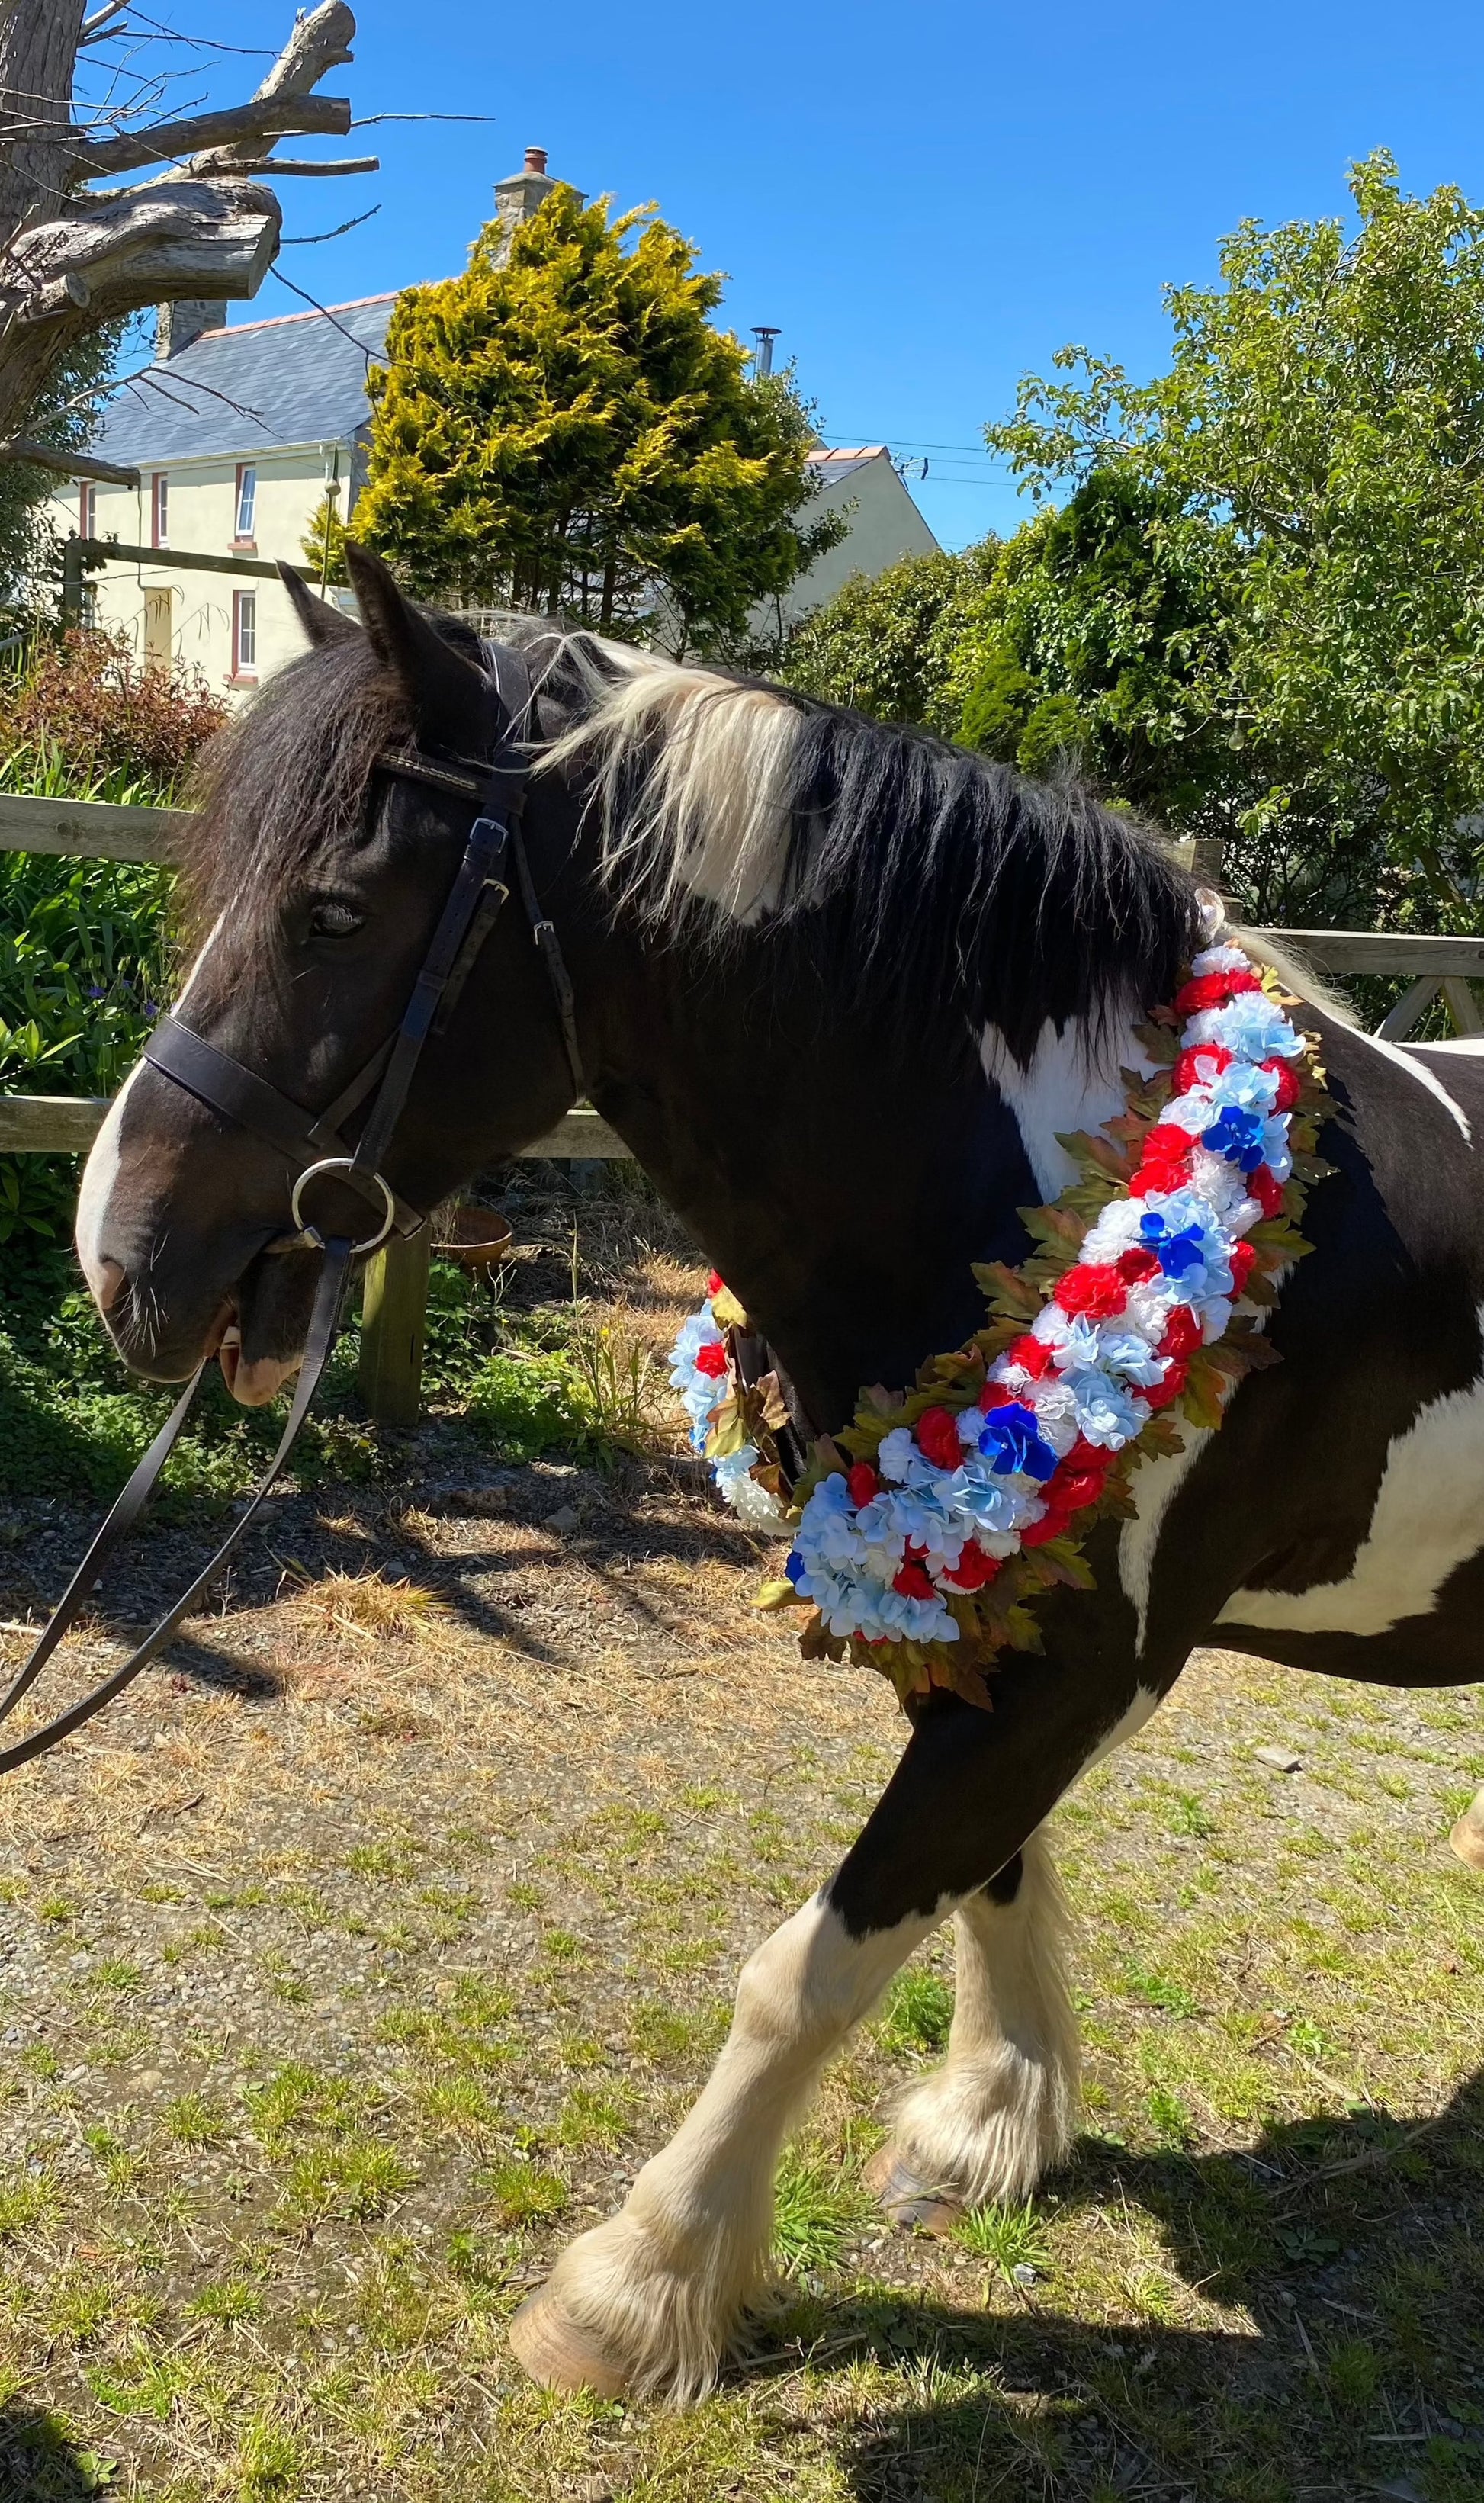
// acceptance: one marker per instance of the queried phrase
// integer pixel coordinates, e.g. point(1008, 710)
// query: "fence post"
point(394, 1324)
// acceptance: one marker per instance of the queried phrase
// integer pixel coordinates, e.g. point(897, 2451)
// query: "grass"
point(303, 2086)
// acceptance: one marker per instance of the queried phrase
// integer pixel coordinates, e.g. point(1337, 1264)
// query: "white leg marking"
point(1063, 1090)
point(1003, 2107)
point(662, 2285)
point(1429, 1519)
point(1406, 1057)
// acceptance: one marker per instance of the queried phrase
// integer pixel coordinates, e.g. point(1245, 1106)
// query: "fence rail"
point(396, 1290)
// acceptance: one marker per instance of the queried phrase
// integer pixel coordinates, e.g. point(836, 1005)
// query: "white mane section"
point(710, 821)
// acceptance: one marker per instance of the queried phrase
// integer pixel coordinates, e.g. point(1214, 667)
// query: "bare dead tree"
point(77, 250)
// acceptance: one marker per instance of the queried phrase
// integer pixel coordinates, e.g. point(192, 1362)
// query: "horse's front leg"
point(650, 2301)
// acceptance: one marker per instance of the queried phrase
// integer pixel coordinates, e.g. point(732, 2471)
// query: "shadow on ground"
point(1356, 2252)
point(39, 2464)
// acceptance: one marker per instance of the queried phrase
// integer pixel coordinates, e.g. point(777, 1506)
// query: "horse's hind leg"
point(1468, 1836)
point(1002, 2110)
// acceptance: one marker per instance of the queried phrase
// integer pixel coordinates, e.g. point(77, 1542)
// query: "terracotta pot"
point(475, 1237)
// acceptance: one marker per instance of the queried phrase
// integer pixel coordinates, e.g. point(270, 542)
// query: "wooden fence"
point(394, 1294)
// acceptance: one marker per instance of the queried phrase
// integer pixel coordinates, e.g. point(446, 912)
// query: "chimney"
point(177, 325)
point(519, 196)
point(765, 333)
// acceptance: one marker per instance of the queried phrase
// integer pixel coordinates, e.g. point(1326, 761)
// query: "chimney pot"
point(535, 160)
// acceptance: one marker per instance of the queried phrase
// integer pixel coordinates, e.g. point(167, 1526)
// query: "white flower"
point(1224, 959)
point(752, 1503)
point(1116, 1231)
point(897, 1452)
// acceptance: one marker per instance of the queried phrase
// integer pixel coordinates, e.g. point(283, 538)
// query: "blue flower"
point(1177, 1252)
point(1013, 1444)
point(795, 1568)
point(1237, 1134)
point(1106, 1412)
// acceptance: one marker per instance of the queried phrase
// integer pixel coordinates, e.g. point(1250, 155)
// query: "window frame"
point(159, 509)
point(244, 667)
point(87, 509)
point(241, 537)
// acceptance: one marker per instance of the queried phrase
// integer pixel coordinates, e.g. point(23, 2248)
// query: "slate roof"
point(299, 379)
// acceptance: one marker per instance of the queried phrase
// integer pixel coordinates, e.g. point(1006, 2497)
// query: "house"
point(237, 433)
point(884, 524)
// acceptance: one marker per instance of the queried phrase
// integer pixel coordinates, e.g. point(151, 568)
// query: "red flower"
point(1166, 1162)
point(1213, 990)
point(1176, 1374)
point(1092, 1287)
point(712, 1358)
point(863, 1484)
point(1244, 1259)
point(1183, 1333)
point(1267, 1192)
point(1084, 1457)
point(994, 1395)
point(1189, 1071)
point(911, 1579)
point(1032, 1355)
point(937, 1438)
point(1287, 1084)
point(1075, 1492)
point(1138, 1263)
point(715, 1284)
point(972, 1569)
point(1050, 1525)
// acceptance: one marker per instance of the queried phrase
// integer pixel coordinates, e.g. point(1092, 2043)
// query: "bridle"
point(313, 1148)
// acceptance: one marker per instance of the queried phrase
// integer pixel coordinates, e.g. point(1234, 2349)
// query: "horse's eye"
point(335, 921)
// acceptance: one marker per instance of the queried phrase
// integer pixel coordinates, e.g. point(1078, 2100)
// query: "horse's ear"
point(448, 696)
point(322, 621)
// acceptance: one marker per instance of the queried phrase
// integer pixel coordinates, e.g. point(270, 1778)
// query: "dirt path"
point(359, 1958)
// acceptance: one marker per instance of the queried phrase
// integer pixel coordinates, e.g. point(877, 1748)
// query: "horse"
point(840, 989)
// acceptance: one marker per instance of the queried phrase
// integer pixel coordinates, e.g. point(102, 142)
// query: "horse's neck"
point(845, 1185)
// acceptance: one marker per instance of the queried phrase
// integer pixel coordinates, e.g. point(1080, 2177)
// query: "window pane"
point(247, 498)
point(161, 510)
point(247, 629)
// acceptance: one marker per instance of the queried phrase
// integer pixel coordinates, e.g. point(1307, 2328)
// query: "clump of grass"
point(525, 2194)
point(819, 2205)
point(619, 1385)
point(373, 1606)
point(917, 2015)
point(1011, 2237)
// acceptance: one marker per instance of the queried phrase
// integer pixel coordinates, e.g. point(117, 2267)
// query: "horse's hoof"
point(1468, 1836)
point(560, 2356)
point(912, 2204)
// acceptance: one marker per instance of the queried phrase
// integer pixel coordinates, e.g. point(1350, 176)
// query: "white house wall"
point(884, 527)
point(202, 517)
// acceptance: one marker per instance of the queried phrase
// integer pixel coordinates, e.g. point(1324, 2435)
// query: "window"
point(244, 633)
point(159, 511)
point(87, 511)
point(247, 498)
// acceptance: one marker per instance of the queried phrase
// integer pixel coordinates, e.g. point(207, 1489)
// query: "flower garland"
point(924, 1530)
point(724, 1415)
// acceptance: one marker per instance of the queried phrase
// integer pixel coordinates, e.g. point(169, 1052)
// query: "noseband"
point(312, 1146)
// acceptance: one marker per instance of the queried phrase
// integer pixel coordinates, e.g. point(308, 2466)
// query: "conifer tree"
point(567, 432)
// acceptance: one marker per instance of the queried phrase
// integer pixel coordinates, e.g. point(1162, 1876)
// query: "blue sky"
point(927, 200)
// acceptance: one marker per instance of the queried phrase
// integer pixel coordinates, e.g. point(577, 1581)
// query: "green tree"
point(63, 415)
point(1323, 424)
point(323, 542)
point(569, 432)
point(1097, 642)
point(888, 646)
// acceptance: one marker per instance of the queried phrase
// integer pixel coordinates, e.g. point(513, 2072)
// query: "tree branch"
point(319, 42)
point(265, 117)
point(144, 247)
point(311, 165)
point(68, 464)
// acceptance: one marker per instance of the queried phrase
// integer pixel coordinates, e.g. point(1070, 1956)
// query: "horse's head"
point(314, 880)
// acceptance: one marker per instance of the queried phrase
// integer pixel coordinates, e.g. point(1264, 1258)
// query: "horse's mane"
point(921, 882)
point(934, 884)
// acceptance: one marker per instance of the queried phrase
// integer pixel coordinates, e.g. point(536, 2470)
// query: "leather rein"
point(312, 1146)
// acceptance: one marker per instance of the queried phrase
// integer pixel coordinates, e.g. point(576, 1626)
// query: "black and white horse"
point(839, 987)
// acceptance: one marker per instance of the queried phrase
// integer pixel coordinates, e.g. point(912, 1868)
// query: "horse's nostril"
point(109, 1284)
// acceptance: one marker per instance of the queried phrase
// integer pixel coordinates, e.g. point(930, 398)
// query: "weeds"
point(1012, 2237)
